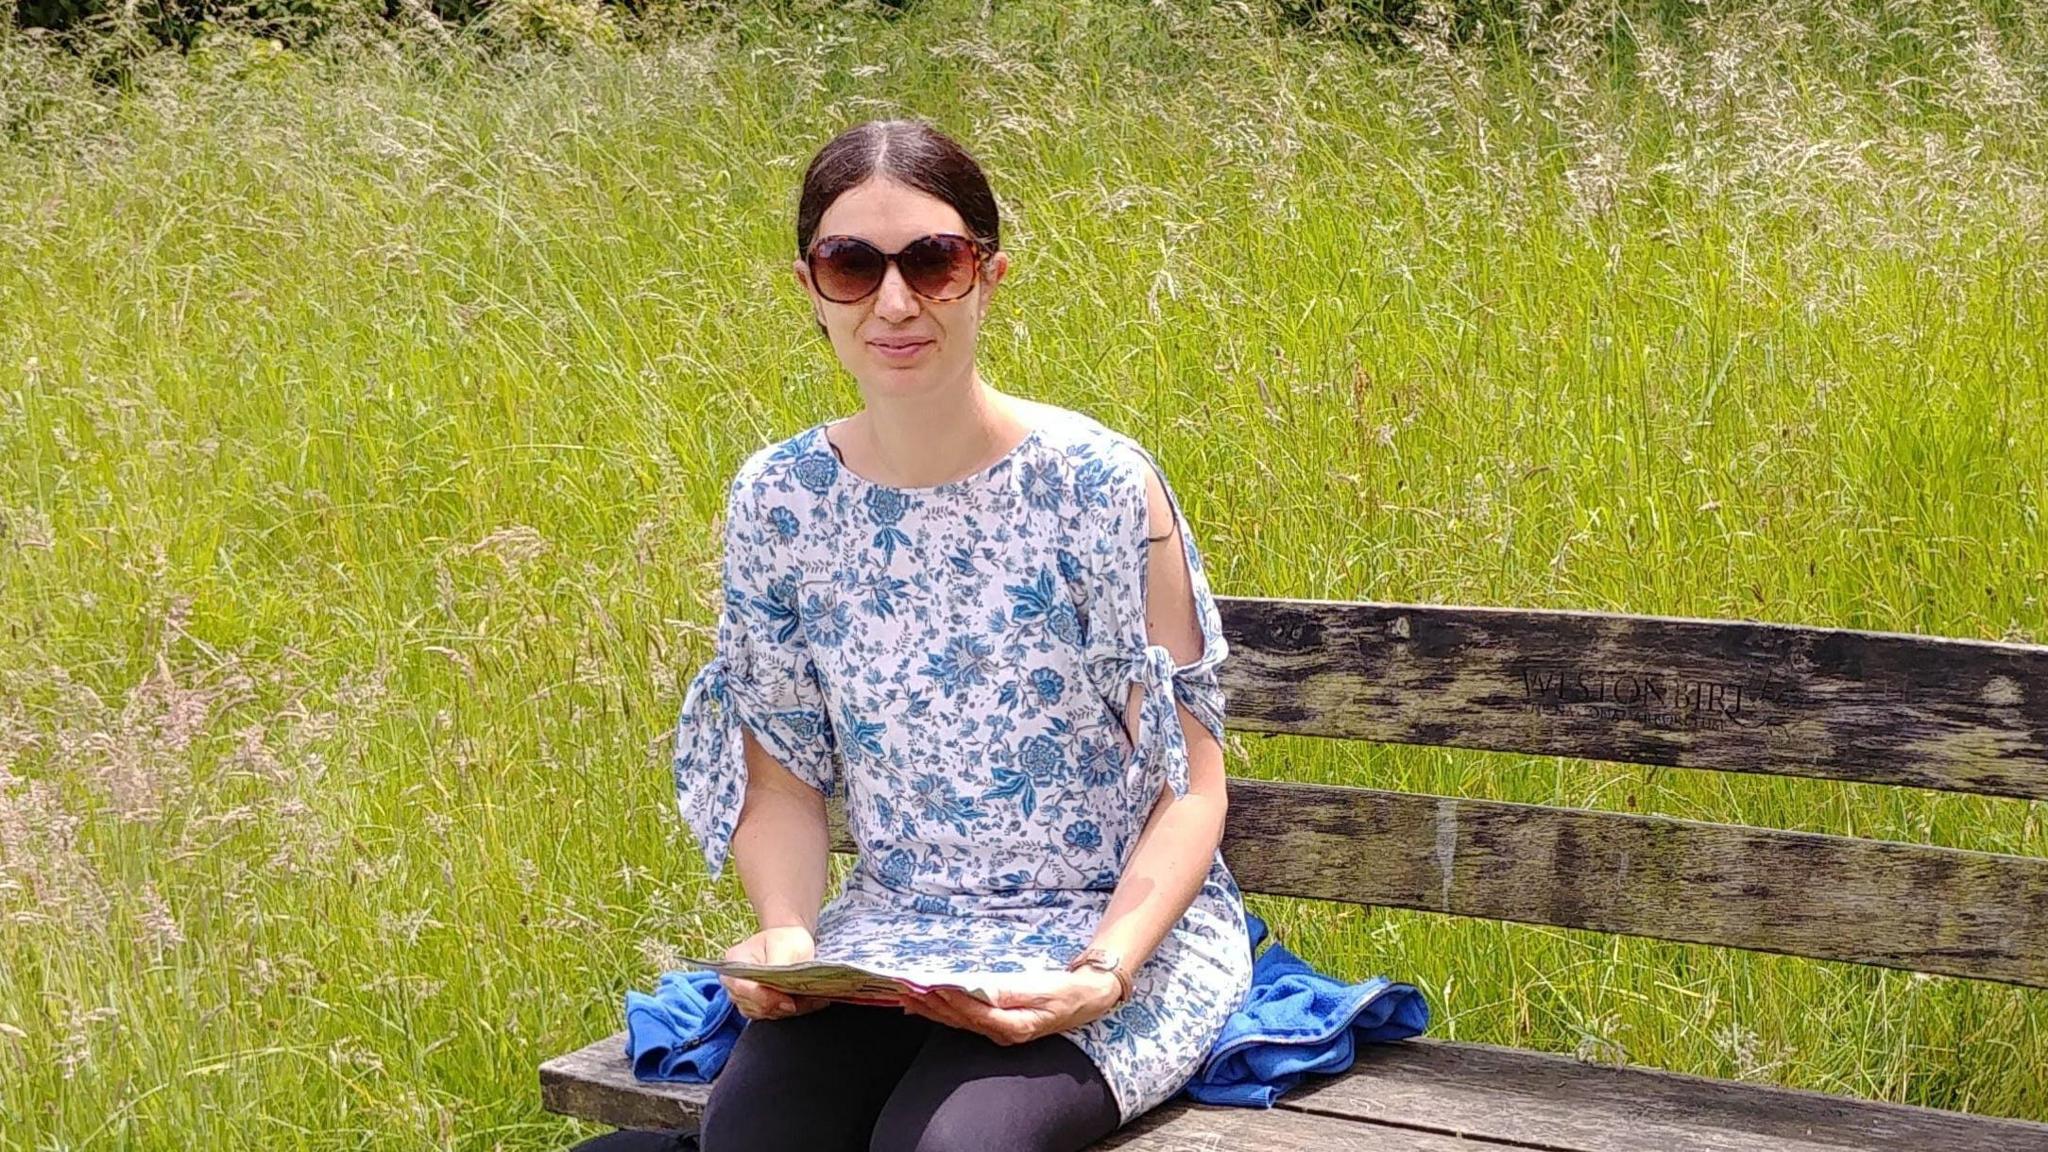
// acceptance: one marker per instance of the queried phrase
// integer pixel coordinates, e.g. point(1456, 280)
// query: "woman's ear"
point(802, 272)
point(998, 265)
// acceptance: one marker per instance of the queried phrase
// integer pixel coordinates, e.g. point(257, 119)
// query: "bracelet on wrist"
point(1110, 962)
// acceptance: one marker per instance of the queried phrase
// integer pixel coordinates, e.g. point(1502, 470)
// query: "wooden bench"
point(1889, 709)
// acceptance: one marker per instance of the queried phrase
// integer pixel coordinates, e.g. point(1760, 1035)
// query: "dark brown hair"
point(910, 152)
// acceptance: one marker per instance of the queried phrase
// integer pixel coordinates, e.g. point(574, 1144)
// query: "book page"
point(836, 980)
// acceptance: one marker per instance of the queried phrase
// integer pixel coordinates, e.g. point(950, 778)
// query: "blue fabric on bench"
point(684, 1031)
point(1294, 1021)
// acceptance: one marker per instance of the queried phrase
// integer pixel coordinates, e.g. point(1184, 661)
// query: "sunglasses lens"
point(846, 269)
point(941, 267)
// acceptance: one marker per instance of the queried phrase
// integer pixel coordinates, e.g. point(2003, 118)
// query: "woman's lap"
point(854, 1078)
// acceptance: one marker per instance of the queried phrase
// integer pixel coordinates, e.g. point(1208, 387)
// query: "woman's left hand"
point(1028, 1004)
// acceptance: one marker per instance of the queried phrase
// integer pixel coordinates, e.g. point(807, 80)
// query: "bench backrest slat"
point(1825, 897)
point(1880, 708)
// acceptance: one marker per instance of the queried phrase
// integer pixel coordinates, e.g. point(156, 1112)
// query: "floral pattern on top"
point(954, 660)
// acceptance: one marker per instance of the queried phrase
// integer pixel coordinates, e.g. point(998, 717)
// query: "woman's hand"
point(1028, 1004)
point(787, 945)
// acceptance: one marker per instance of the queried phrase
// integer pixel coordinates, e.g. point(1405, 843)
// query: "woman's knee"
point(948, 1128)
point(959, 1126)
point(745, 1110)
point(810, 1083)
point(732, 1118)
point(751, 1109)
point(969, 1097)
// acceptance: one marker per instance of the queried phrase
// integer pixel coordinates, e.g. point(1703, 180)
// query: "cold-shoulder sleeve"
point(1119, 648)
point(761, 676)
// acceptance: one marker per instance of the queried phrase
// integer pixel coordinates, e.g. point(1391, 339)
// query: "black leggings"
point(858, 1078)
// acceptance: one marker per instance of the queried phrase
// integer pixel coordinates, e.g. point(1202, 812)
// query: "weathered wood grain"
point(1962, 715)
point(596, 1083)
point(1539, 1100)
point(1829, 897)
point(1179, 1126)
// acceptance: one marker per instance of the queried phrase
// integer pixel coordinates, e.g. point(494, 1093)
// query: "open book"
point(837, 980)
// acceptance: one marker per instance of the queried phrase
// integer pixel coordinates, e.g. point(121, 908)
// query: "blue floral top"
point(955, 659)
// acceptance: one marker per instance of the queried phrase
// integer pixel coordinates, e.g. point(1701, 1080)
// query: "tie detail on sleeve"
point(710, 762)
point(1160, 753)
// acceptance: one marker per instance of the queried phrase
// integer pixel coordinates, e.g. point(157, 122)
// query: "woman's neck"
point(918, 441)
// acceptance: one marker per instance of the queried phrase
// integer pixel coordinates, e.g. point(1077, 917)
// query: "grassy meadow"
point(365, 415)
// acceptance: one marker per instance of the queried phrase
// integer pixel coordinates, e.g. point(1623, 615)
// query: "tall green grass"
point(364, 419)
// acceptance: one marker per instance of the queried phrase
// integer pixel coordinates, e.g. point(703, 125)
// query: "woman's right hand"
point(786, 945)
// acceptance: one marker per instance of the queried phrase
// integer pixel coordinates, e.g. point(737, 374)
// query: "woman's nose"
point(894, 300)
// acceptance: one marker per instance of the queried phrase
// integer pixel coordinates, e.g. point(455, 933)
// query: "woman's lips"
point(899, 351)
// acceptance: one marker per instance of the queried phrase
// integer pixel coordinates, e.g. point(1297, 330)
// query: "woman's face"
point(893, 340)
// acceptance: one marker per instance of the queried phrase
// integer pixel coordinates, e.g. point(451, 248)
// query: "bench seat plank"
point(1436, 1096)
point(1184, 1126)
point(1909, 906)
point(595, 1083)
point(1726, 695)
point(1548, 1101)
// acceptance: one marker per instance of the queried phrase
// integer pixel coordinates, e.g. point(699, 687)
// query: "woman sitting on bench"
point(985, 614)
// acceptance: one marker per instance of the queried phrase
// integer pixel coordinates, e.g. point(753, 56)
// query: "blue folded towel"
point(1294, 1021)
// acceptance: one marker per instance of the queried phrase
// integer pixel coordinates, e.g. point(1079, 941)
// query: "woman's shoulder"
point(1088, 446)
point(1110, 476)
point(795, 466)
